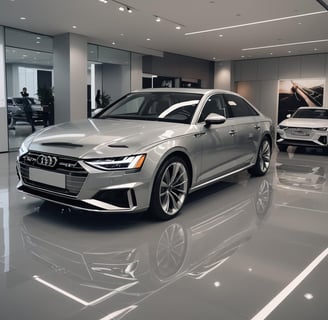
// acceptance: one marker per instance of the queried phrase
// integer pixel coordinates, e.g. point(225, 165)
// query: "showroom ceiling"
point(211, 30)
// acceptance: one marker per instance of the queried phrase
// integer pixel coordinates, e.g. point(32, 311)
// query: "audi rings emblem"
point(46, 161)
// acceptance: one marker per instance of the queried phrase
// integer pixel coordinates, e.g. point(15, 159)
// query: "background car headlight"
point(119, 163)
point(321, 129)
point(282, 127)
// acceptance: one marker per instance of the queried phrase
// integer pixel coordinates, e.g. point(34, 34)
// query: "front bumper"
point(305, 137)
point(84, 187)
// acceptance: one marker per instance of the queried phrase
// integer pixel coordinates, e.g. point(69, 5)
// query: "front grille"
point(298, 132)
point(74, 173)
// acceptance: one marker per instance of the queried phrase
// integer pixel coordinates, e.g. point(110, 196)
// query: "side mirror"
point(214, 118)
point(288, 116)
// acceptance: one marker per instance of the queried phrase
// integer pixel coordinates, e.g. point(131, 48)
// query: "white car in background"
point(307, 127)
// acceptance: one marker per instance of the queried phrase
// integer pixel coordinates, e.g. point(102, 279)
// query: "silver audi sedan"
point(146, 151)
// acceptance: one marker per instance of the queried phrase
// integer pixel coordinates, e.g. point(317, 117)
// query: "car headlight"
point(25, 145)
point(282, 127)
point(118, 163)
point(321, 129)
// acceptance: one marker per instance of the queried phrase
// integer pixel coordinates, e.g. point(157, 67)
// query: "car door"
point(217, 141)
point(247, 130)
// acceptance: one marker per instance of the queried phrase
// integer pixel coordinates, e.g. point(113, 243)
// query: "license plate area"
point(300, 132)
point(46, 177)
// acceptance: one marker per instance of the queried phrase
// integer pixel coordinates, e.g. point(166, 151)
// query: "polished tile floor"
point(245, 248)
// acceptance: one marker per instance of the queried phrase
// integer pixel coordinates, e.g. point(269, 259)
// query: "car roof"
point(185, 90)
point(313, 108)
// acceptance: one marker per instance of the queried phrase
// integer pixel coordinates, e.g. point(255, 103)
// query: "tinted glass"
point(215, 104)
point(159, 106)
point(311, 113)
point(238, 107)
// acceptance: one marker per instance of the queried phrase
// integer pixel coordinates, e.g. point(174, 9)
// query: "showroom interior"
point(242, 248)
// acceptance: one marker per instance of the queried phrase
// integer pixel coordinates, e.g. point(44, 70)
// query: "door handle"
point(232, 132)
point(197, 135)
point(257, 127)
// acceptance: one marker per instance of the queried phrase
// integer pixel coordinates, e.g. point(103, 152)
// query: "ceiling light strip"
point(285, 45)
point(256, 23)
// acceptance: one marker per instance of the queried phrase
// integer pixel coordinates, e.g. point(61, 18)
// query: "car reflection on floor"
point(94, 264)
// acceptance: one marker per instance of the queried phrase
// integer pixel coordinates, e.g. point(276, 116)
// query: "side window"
point(215, 104)
point(238, 107)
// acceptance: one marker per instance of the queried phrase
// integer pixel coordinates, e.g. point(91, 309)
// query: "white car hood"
point(96, 138)
point(305, 123)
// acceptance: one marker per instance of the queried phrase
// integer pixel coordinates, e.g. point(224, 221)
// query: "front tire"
point(263, 159)
point(170, 189)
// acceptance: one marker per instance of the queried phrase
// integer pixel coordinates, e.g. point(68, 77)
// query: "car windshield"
point(155, 106)
point(311, 113)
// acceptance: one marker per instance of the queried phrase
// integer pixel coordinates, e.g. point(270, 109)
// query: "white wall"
point(257, 80)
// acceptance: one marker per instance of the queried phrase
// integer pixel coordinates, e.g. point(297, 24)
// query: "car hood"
point(305, 123)
point(96, 138)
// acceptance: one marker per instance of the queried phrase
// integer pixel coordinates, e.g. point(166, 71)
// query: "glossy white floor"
point(241, 249)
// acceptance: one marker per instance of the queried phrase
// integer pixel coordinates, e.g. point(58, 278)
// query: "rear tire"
point(170, 189)
point(263, 159)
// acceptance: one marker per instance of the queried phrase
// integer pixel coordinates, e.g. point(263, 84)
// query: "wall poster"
point(299, 93)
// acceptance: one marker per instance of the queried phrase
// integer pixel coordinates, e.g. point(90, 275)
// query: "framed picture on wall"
point(295, 93)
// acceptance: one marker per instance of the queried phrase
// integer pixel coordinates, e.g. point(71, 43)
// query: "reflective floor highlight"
point(244, 248)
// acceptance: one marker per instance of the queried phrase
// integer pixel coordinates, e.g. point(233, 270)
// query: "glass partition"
point(109, 76)
point(29, 64)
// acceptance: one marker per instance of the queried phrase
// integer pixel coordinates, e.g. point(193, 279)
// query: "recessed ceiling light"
point(220, 35)
point(38, 38)
point(113, 43)
point(22, 18)
point(122, 34)
point(121, 9)
point(257, 22)
point(178, 27)
point(315, 49)
point(242, 56)
point(148, 39)
point(129, 10)
point(103, 1)
point(214, 58)
point(37, 42)
point(158, 19)
point(74, 27)
point(289, 51)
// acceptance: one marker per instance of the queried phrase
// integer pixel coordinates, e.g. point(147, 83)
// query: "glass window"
point(215, 104)
point(172, 107)
point(238, 107)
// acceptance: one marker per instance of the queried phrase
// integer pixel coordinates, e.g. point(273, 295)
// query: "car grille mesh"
point(75, 175)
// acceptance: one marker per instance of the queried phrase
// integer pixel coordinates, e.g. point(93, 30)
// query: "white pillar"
point(70, 77)
point(136, 71)
point(3, 97)
point(223, 75)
